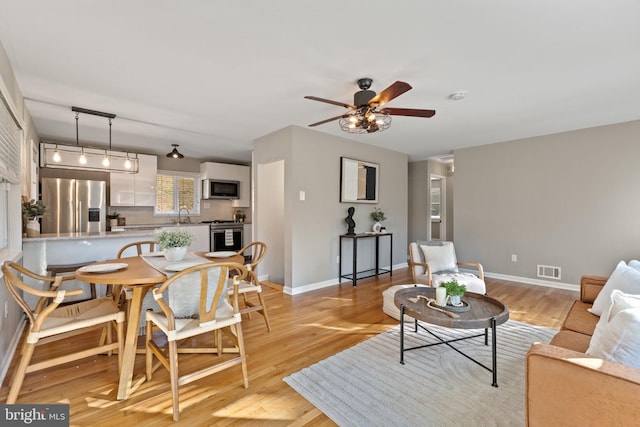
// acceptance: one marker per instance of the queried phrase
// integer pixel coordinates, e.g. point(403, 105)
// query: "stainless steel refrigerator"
point(74, 205)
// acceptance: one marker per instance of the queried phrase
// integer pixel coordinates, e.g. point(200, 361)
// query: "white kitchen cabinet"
point(244, 176)
point(230, 172)
point(138, 189)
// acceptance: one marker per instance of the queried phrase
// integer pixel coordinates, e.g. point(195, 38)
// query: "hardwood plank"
point(305, 329)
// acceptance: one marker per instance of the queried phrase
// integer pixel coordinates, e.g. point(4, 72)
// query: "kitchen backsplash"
point(217, 209)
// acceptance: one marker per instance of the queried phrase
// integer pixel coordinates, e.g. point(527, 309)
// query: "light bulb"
point(82, 159)
point(380, 122)
point(371, 117)
point(127, 163)
point(353, 119)
point(105, 161)
point(352, 125)
point(56, 156)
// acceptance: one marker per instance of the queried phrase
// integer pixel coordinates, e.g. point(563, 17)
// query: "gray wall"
point(8, 327)
point(569, 200)
point(311, 227)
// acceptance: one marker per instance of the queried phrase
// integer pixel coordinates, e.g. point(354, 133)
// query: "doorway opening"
point(437, 208)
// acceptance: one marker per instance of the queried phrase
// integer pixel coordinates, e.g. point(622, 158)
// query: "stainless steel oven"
point(226, 235)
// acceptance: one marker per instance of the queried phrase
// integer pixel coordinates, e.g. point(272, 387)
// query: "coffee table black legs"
point(494, 343)
point(494, 359)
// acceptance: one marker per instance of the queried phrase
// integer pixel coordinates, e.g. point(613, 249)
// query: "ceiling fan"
point(366, 114)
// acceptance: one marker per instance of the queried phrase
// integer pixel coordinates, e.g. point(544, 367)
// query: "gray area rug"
point(366, 385)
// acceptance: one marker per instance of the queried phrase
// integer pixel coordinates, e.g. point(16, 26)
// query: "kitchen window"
point(176, 191)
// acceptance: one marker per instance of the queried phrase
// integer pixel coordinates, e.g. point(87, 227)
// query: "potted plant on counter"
point(174, 243)
point(31, 211)
point(113, 219)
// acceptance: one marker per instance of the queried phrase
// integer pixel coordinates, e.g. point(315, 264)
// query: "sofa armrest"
point(565, 387)
point(590, 287)
point(475, 265)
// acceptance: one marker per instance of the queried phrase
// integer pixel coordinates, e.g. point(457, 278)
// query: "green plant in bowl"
point(174, 238)
point(454, 291)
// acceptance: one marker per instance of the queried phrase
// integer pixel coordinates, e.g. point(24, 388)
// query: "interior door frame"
point(443, 206)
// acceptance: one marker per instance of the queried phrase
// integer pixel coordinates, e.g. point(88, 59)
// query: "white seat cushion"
point(471, 281)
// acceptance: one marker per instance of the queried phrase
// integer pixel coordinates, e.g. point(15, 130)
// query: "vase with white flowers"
point(377, 215)
point(174, 243)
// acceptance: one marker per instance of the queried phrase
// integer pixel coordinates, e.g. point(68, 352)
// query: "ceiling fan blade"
point(412, 112)
point(328, 101)
point(329, 120)
point(393, 91)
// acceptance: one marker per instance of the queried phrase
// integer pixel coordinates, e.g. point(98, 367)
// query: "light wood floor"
point(305, 329)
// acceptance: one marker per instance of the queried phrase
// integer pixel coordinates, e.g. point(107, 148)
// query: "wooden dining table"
point(139, 276)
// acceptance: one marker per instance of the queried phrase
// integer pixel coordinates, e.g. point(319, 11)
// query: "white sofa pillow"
point(441, 258)
point(625, 278)
point(617, 334)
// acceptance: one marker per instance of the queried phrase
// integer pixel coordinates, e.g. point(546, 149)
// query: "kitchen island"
point(72, 248)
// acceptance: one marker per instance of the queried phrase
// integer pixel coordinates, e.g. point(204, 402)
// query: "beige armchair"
point(434, 262)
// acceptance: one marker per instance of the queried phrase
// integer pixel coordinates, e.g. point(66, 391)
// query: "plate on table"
point(103, 268)
point(221, 254)
point(179, 266)
point(152, 254)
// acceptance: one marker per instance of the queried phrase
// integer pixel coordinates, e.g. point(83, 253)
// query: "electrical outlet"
point(514, 258)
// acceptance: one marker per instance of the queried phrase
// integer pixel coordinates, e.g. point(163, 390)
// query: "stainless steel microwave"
point(220, 189)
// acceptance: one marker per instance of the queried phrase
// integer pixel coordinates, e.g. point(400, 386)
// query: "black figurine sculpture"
point(351, 224)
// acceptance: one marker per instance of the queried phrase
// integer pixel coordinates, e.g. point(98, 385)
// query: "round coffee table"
point(483, 313)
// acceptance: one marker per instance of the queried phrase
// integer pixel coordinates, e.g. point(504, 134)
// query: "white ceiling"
point(213, 76)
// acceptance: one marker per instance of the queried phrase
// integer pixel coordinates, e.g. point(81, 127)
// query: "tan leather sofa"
point(566, 387)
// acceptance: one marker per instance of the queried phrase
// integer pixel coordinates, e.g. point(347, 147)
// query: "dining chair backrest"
point(141, 247)
point(257, 255)
point(15, 285)
point(212, 295)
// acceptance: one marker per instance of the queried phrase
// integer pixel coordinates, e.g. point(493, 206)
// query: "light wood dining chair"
point(214, 313)
point(140, 247)
point(254, 252)
point(49, 321)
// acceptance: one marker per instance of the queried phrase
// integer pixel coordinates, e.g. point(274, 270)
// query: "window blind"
point(9, 145)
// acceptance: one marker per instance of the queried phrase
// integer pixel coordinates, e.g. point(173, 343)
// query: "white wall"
point(311, 228)
point(570, 200)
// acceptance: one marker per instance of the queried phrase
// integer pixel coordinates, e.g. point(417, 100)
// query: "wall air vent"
point(549, 272)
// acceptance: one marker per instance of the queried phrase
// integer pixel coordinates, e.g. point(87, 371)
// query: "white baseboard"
point(11, 350)
point(538, 282)
point(327, 283)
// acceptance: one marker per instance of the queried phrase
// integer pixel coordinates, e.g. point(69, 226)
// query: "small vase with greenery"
point(174, 243)
point(454, 291)
point(32, 209)
point(377, 215)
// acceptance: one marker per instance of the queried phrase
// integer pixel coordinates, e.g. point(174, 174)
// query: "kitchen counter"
point(82, 236)
point(70, 248)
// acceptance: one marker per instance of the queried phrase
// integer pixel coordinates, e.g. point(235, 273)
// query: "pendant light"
point(175, 153)
point(82, 159)
point(106, 161)
point(56, 155)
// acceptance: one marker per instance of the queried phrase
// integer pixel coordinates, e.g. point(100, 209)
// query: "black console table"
point(355, 275)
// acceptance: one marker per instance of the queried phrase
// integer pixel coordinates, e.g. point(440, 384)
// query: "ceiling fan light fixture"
point(175, 154)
